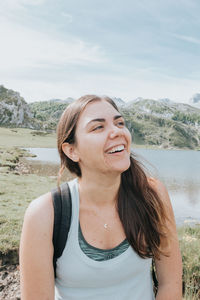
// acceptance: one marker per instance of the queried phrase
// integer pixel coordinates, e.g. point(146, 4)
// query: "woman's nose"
point(115, 132)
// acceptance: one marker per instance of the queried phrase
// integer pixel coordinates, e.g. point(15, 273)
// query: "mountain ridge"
point(161, 123)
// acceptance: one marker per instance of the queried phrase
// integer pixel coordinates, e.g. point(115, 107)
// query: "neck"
point(99, 190)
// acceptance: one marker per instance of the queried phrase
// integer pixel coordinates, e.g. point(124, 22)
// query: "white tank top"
point(124, 277)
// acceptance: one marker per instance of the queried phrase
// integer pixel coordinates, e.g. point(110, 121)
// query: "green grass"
point(189, 238)
point(17, 190)
point(23, 137)
point(16, 193)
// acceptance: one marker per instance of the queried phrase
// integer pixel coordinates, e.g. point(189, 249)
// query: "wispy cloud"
point(24, 47)
point(67, 16)
point(145, 48)
point(31, 2)
point(18, 10)
point(186, 38)
point(125, 86)
point(10, 4)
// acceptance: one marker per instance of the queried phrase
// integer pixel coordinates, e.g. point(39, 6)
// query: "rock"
point(2, 287)
point(10, 283)
point(14, 111)
point(4, 275)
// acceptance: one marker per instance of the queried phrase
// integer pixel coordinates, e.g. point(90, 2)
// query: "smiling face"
point(102, 140)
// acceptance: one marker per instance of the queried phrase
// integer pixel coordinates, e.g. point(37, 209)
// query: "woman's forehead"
point(98, 109)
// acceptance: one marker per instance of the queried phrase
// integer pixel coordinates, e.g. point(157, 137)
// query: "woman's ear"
point(70, 151)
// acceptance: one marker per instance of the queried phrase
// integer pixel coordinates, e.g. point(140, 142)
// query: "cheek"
point(88, 147)
point(128, 137)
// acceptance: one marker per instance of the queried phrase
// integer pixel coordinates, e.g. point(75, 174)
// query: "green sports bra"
point(100, 254)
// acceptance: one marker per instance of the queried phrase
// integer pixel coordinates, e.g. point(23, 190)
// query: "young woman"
point(121, 218)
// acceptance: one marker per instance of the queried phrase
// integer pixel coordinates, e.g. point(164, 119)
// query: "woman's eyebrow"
point(103, 120)
point(117, 117)
point(96, 120)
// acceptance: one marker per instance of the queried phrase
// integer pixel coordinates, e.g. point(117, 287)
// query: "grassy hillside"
point(149, 129)
point(164, 124)
point(24, 137)
point(48, 112)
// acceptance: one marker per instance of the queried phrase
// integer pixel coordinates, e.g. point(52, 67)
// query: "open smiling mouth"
point(116, 149)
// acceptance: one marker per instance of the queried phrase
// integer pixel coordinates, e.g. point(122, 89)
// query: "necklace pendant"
point(105, 225)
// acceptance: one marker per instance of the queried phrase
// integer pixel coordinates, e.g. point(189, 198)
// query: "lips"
point(116, 148)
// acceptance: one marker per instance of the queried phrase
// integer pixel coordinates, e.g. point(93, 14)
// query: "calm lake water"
point(178, 169)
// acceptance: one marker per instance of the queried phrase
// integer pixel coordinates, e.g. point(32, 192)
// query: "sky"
point(127, 49)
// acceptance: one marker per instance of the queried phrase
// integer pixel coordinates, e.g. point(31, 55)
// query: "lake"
point(178, 169)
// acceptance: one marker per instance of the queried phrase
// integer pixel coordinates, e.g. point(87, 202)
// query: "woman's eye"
point(98, 127)
point(121, 123)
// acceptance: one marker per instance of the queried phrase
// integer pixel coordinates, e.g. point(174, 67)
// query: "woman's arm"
point(169, 269)
point(36, 251)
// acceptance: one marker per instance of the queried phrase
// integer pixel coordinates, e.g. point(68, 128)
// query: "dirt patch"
point(22, 168)
point(10, 283)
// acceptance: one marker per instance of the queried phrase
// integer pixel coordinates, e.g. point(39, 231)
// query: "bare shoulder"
point(40, 213)
point(40, 206)
point(160, 189)
point(37, 231)
point(168, 267)
point(162, 192)
point(36, 250)
point(156, 184)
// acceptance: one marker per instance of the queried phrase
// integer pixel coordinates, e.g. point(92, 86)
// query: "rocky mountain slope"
point(48, 112)
point(14, 111)
point(162, 123)
point(195, 100)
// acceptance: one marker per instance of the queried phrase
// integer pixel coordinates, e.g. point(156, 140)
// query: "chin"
point(125, 168)
point(121, 167)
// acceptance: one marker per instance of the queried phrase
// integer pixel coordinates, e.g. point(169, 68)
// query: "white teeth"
point(117, 148)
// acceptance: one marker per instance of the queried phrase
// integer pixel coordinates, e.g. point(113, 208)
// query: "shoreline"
point(26, 137)
point(26, 166)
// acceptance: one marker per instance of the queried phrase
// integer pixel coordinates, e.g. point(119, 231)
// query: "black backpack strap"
point(62, 219)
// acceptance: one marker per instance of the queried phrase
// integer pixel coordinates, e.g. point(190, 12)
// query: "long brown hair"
point(140, 209)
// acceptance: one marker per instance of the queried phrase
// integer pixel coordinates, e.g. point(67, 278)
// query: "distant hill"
point(14, 111)
point(162, 123)
point(41, 115)
point(165, 100)
point(48, 112)
point(67, 100)
point(195, 100)
point(119, 101)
